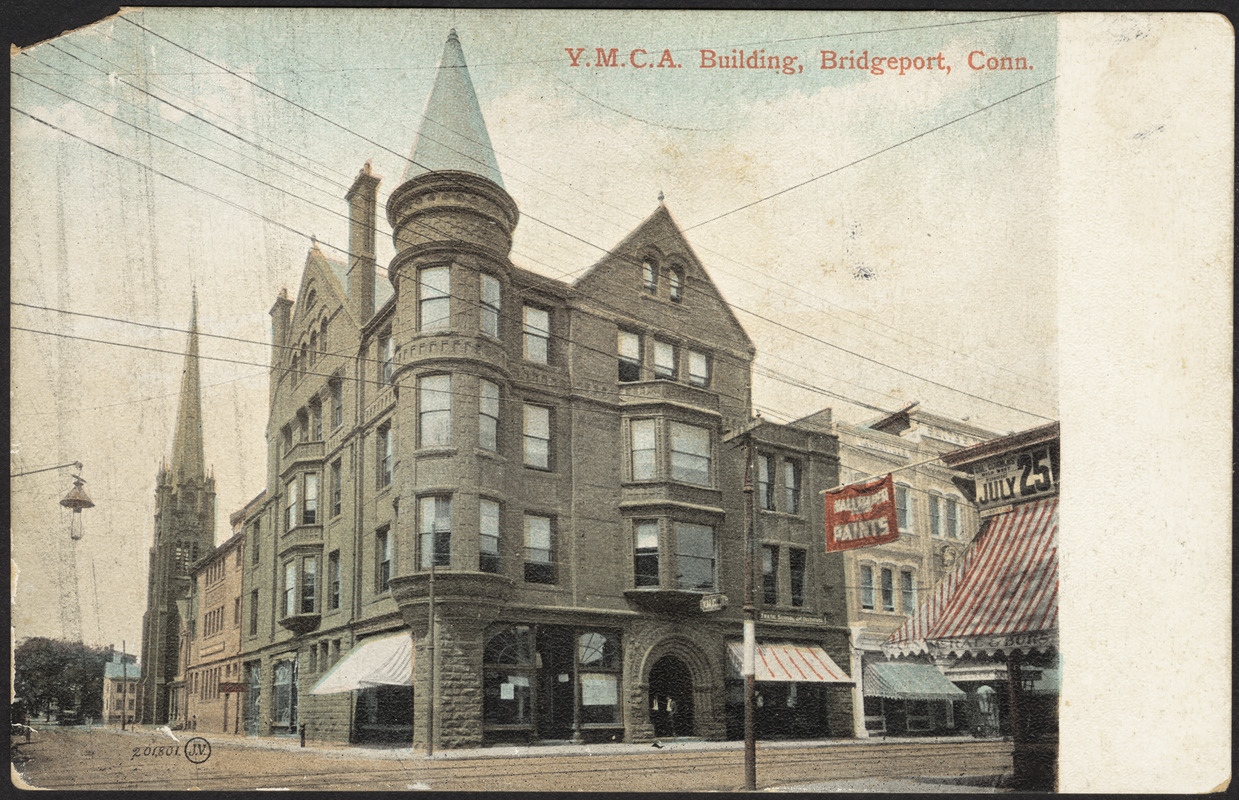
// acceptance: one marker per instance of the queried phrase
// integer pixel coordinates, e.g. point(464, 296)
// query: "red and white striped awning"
point(788, 662)
point(1001, 597)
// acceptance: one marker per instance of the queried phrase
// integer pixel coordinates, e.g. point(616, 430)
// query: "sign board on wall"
point(861, 515)
point(1017, 477)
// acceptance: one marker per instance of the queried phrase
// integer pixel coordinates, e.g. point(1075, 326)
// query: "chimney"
point(362, 199)
point(281, 319)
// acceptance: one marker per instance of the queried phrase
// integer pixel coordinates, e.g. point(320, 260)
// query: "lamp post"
point(750, 627)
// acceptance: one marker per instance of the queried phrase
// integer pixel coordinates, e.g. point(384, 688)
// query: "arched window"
point(677, 284)
point(510, 646)
point(508, 679)
point(313, 348)
point(322, 337)
point(649, 276)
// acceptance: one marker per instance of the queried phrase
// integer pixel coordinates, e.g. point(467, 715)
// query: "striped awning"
point(1001, 597)
point(909, 681)
point(380, 661)
point(788, 662)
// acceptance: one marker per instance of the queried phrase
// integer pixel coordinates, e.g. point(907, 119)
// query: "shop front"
point(793, 684)
point(378, 672)
point(911, 699)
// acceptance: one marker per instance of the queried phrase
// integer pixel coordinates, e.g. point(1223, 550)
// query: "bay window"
point(645, 564)
point(488, 416)
point(491, 293)
point(436, 531)
point(695, 557)
point(643, 449)
point(309, 515)
point(435, 412)
point(488, 529)
point(690, 454)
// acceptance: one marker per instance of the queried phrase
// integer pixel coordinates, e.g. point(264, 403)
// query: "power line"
point(591, 244)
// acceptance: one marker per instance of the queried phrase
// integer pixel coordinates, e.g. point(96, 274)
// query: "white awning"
point(381, 661)
point(788, 662)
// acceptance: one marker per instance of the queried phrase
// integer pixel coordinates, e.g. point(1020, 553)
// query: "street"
point(109, 759)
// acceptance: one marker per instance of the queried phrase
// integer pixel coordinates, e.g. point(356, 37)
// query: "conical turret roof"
point(187, 459)
point(453, 134)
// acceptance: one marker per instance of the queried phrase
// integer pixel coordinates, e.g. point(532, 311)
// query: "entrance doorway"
point(671, 698)
point(556, 690)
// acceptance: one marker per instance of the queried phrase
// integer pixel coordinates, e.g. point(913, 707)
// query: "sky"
point(883, 238)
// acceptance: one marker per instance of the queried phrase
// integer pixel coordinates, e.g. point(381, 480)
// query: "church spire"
point(187, 459)
point(453, 134)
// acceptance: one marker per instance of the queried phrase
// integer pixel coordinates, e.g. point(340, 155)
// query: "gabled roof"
point(335, 273)
point(658, 232)
point(453, 133)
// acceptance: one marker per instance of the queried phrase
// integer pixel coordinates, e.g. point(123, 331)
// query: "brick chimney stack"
point(362, 200)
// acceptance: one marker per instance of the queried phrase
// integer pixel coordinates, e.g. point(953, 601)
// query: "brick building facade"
point(550, 461)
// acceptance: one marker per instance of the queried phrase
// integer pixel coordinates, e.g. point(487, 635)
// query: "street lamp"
point(77, 500)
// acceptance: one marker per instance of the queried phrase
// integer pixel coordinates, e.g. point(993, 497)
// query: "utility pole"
point(750, 626)
point(124, 684)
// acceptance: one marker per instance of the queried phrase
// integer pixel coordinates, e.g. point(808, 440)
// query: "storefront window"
point(507, 690)
point(600, 654)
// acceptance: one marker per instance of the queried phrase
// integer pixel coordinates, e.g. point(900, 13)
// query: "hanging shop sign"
point(1017, 477)
point(861, 515)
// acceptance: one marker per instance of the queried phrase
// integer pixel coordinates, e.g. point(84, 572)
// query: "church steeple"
point(187, 459)
point(453, 134)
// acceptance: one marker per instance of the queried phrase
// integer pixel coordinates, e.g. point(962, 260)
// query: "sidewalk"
point(394, 753)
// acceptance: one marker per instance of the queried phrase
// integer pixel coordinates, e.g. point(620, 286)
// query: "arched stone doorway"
point(671, 698)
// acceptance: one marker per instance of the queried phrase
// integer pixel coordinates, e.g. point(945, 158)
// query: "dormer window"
point(649, 276)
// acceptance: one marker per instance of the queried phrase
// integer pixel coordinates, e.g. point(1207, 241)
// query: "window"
point(336, 493)
point(387, 355)
point(935, 515)
point(537, 437)
point(509, 677)
point(888, 590)
point(337, 402)
point(677, 285)
point(598, 660)
point(309, 585)
point(770, 574)
point(903, 508)
point(236, 612)
point(290, 515)
point(316, 420)
point(488, 416)
point(952, 518)
point(284, 711)
point(664, 360)
point(643, 450)
point(866, 588)
point(537, 335)
point(690, 454)
point(765, 489)
point(629, 356)
point(796, 565)
point(649, 276)
point(435, 300)
point(310, 515)
point(333, 580)
point(694, 557)
point(290, 588)
point(313, 348)
point(383, 448)
point(791, 487)
point(435, 417)
point(698, 369)
point(539, 567)
point(908, 589)
point(255, 532)
point(490, 305)
point(436, 531)
point(382, 559)
point(645, 565)
point(286, 437)
point(488, 529)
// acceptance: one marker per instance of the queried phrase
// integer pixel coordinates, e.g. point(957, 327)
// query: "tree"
point(50, 673)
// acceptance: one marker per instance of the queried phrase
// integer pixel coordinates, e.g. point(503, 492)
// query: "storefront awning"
point(909, 681)
point(381, 661)
point(788, 662)
point(1002, 596)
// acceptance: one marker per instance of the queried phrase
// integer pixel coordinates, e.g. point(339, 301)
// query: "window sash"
point(337, 404)
point(435, 297)
point(435, 418)
point(695, 557)
point(866, 588)
point(935, 516)
point(387, 352)
point(677, 285)
point(336, 493)
point(888, 590)
point(698, 369)
point(333, 580)
point(690, 454)
point(537, 334)
point(644, 449)
point(908, 589)
point(309, 585)
point(903, 507)
point(796, 559)
point(539, 564)
point(765, 489)
point(664, 360)
point(292, 504)
point(649, 276)
point(491, 299)
point(310, 515)
point(436, 531)
point(383, 553)
point(952, 518)
point(488, 416)
point(770, 574)
point(791, 486)
point(645, 566)
point(629, 356)
point(488, 529)
point(290, 588)
point(537, 436)
point(385, 456)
